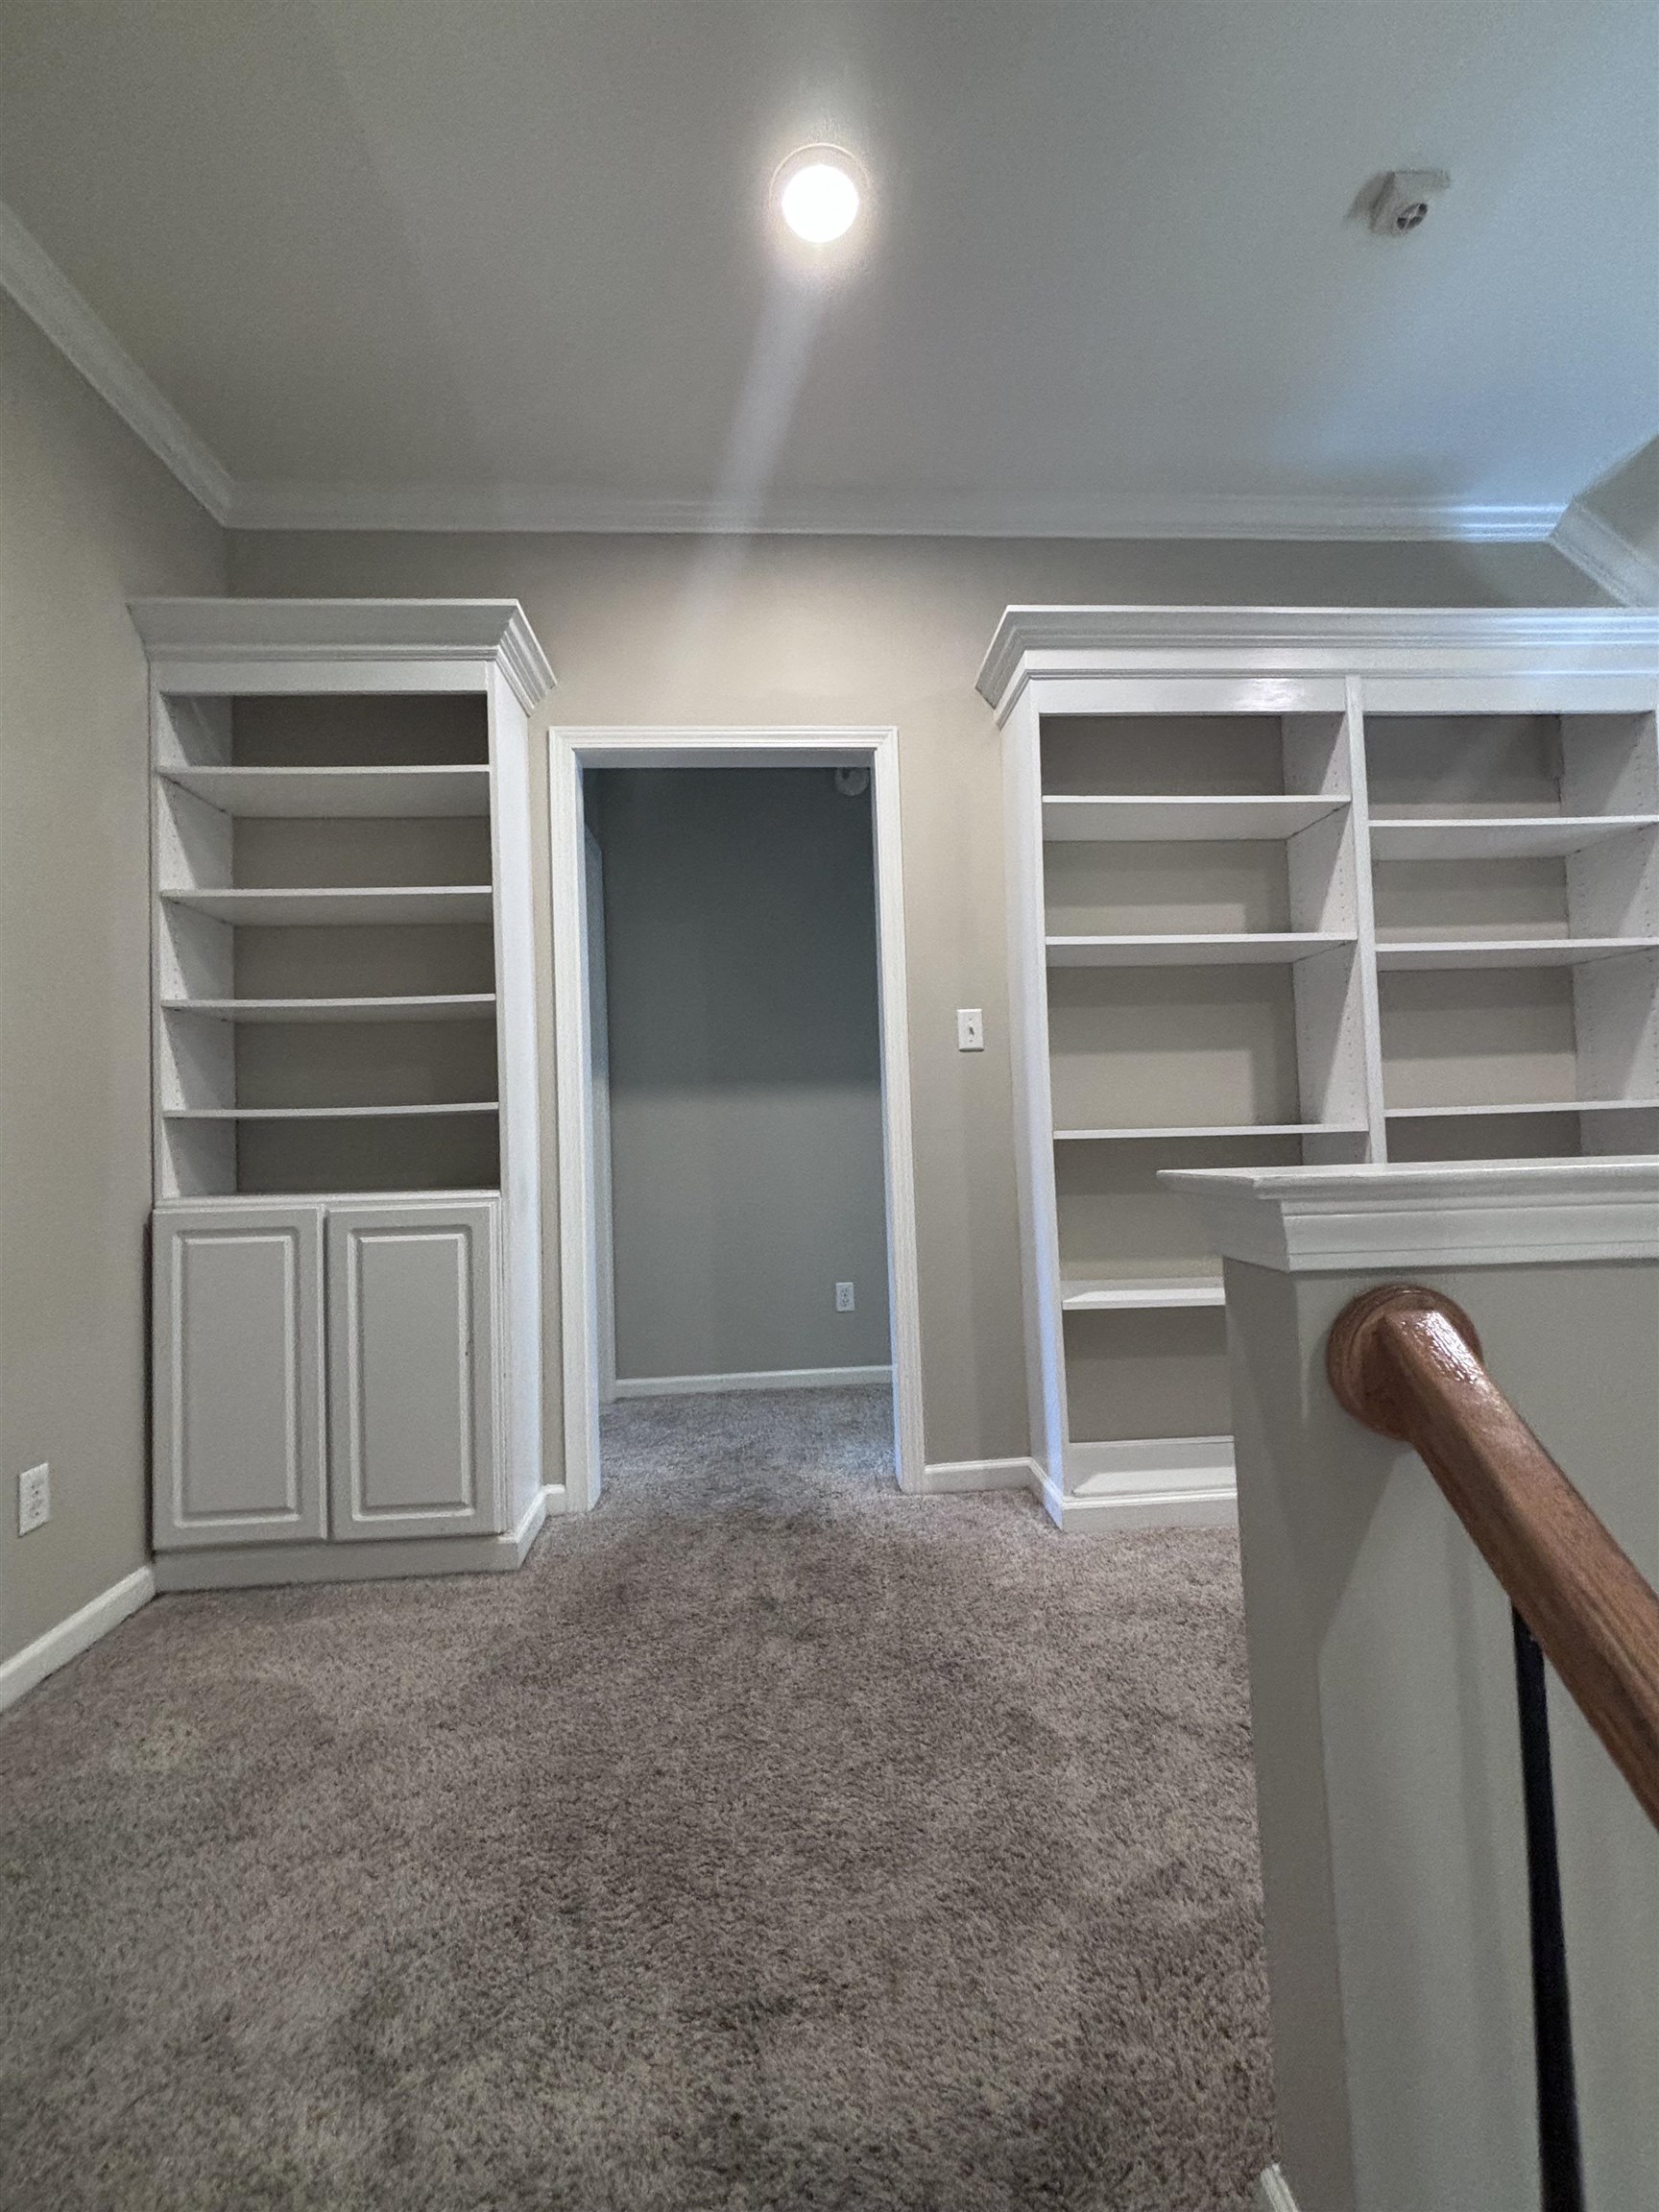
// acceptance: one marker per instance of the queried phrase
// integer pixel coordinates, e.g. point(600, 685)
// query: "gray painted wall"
point(890, 630)
point(89, 516)
point(745, 1069)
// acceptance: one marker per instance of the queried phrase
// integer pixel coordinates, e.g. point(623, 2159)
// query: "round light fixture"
point(819, 193)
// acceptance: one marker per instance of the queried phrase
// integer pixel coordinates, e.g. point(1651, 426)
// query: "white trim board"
point(1250, 647)
point(1463, 1214)
point(257, 1566)
point(25, 1668)
point(1273, 2191)
point(563, 511)
point(949, 1477)
point(1598, 551)
point(85, 340)
point(227, 644)
point(762, 1378)
point(648, 746)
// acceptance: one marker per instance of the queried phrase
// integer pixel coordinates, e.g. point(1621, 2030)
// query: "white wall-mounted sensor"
point(1401, 199)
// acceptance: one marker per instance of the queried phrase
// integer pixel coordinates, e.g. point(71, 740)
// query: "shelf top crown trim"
point(1470, 1213)
point(182, 633)
point(1078, 642)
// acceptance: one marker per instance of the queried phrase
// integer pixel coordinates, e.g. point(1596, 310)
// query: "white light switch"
point(969, 1029)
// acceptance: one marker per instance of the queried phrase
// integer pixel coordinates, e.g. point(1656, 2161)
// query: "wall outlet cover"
point(34, 1498)
point(843, 1297)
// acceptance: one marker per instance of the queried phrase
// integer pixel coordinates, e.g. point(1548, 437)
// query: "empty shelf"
point(448, 1006)
point(1499, 837)
point(1208, 821)
point(1212, 1129)
point(1224, 949)
point(323, 1112)
point(327, 793)
point(371, 905)
point(1523, 1106)
point(1132, 1294)
point(1510, 951)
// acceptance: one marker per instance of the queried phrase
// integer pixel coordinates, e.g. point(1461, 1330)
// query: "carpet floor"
point(770, 1843)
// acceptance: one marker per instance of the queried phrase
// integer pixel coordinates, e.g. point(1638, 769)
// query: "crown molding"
point(40, 288)
point(46, 296)
point(1622, 570)
point(1473, 1214)
point(563, 512)
point(1069, 642)
point(219, 635)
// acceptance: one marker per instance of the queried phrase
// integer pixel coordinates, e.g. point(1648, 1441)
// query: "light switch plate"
point(969, 1029)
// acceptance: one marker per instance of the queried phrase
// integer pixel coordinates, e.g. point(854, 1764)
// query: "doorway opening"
point(736, 1182)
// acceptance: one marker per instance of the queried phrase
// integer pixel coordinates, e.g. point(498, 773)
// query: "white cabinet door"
point(239, 1415)
point(411, 1371)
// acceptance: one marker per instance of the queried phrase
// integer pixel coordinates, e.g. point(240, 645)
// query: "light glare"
point(820, 202)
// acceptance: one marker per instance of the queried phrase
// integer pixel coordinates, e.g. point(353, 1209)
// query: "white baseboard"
point(765, 1379)
point(19, 1673)
point(947, 1476)
point(1153, 1483)
point(272, 1566)
point(1273, 2192)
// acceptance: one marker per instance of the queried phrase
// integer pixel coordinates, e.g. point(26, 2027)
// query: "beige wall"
point(801, 629)
point(88, 516)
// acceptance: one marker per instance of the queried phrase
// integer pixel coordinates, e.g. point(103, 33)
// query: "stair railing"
point(1407, 1362)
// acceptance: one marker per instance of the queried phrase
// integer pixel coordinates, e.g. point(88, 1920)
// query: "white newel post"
point(1383, 1687)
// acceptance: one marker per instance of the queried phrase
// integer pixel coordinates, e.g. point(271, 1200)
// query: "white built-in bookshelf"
point(325, 954)
point(343, 1050)
point(1298, 887)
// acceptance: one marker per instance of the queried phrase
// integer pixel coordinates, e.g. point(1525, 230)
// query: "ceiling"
point(476, 261)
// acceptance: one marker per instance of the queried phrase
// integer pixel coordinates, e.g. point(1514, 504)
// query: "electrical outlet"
point(969, 1029)
point(34, 1498)
point(843, 1297)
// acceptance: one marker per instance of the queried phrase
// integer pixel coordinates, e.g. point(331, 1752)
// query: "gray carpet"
point(771, 1842)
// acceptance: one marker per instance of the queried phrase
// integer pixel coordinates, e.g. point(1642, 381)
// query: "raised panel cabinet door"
point(238, 1392)
point(412, 1337)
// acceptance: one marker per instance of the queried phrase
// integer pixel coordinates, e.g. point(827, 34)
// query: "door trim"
point(569, 751)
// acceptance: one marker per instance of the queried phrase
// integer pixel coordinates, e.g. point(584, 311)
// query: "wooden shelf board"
point(1523, 1106)
point(1091, 820)
point(1499, 837)
point(323, 1112)
point(304, 794)
point(1222, 949)
point(1508, 952)
point(1212, 1129)
point(449, 1007)
point(1132, 1294)
point(371, 906)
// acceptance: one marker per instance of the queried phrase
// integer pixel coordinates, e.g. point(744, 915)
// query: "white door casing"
point(569, 751)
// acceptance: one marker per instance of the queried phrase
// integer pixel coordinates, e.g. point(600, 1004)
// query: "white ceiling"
point(475, 260)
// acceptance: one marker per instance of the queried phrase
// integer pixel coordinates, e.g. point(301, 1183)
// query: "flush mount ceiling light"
point(818, 193)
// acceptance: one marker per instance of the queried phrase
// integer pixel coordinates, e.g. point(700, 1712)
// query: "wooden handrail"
point(1407, 1362)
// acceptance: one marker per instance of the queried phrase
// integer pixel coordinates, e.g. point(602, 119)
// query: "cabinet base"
point(264, 1566)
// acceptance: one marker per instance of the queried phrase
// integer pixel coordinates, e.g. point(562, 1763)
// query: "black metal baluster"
point(1560, 2158)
